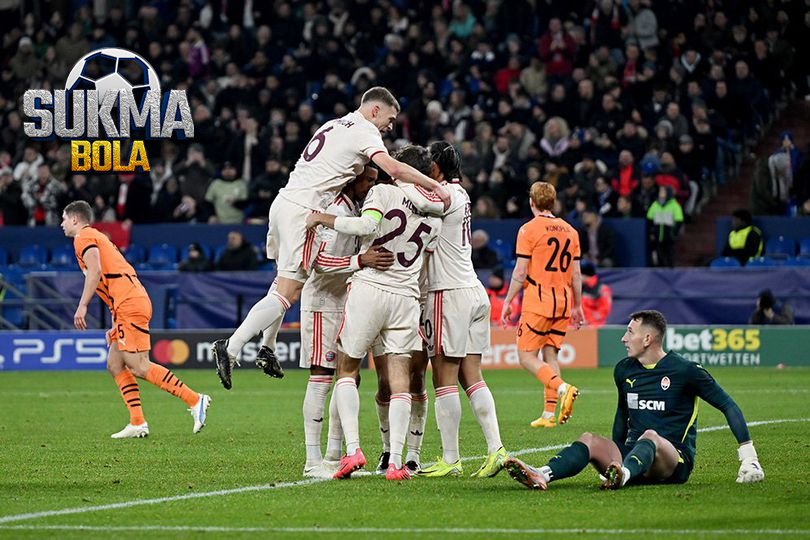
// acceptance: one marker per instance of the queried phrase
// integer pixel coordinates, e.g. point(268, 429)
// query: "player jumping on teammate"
point(655, 427)
point(332, 158)
point(109, 275)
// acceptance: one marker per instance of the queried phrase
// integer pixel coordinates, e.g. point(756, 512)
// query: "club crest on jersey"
point(665, 383)
point(330, 356)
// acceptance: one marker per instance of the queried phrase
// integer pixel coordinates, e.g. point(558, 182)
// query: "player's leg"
point(348, 405)
point(483, 406)
point(570, 461)
point(382, 401)
point(399, 412)
point(652, 456)
point(318, 385)
point(448, 416)
point(266, 357)
point(419, 404)
point(130, 393)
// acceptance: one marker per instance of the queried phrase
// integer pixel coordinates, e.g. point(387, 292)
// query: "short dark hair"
point(743, 215)
point(80, 209)
point(416, 156)
point(378, 93)
point(652, 318)
point(766, 299)
point(445, 157)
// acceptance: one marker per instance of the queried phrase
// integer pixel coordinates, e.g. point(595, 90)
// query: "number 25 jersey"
point(552, 247)
point(404, 232)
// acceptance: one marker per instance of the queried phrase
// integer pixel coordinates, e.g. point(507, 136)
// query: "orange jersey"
point(552, 247)
point(118, 279)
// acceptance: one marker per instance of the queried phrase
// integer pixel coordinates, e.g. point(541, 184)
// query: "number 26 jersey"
point(552, 247)
point(403, 231)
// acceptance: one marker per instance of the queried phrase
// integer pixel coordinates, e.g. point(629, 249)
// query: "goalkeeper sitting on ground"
point(655, 427)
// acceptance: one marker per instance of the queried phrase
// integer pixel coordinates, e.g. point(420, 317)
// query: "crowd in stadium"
point(618, 104)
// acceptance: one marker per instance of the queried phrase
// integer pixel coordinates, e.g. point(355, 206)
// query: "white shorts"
point(456, 322)
point(372, 312)
point(289, 243)
point(319, 339)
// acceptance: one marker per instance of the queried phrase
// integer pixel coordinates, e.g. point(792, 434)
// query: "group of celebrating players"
point(385, 266)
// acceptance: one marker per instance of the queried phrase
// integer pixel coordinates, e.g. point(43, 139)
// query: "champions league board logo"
point(108, 94)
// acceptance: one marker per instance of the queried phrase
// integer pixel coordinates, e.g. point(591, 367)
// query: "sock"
point(267, 313)
point(399, 414)
point(551, 402)
point(483, 406)
point(271, 332)
point(166, 381)
point(570, 461)
point(640, 458)
point(314, 401)
point(385, 429)
point(548, 377)
point(131, 395)
point(448, 417)
point(335, 439)
point(416, 427)
point(348, 403)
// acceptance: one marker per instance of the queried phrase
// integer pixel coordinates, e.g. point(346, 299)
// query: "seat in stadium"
point(63, 257)
point(764, 262)
point(3, 257)
point(163, 256)
point(505, 251)
point(724, 262)
point(780, 247)
point(31, 256)
point(804, 248)
point(135, 254)
point(798, 261)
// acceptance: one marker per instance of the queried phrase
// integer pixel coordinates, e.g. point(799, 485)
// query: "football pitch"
point(62, 476)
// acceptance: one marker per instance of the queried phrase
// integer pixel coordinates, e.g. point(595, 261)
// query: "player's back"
point(118, 279)
point(403, 231)
point(334, 156)
point(450, 266)
point(552, 247)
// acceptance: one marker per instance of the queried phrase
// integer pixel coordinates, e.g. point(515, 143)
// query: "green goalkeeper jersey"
point(664, 397)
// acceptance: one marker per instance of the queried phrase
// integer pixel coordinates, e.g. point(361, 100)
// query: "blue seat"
point(135, 254)
point(764, 262)
point(505, 251)
point(3, 257)
point(63, 257)
point(33, 256)
point(780, 247)
point(162, 255)
point(804, 248)
point(724, 262)
point(798, 261)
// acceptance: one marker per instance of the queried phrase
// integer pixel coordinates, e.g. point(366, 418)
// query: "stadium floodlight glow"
point(83, 112)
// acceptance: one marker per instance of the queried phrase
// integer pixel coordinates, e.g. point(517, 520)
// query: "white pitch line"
point(280, 485)
point(408, 530)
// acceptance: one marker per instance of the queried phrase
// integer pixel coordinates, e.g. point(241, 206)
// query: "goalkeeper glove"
point(750, 469)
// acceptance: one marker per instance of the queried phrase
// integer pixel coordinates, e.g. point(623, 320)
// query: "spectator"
point(196, 260)
point(496, 290)
point(597, 241)
point(557, 50)
point(43, 196)
point(195, 174)
point(768, 311)
point(483, 256)
point(665, 218)
point(605, 198)
point(773, 181)
point(27, 168)
point(744, 242)
point(626, 177)
point(239, 255)
point(555, 138)
point(12, 209)
point(597, 297)
point(228, 195)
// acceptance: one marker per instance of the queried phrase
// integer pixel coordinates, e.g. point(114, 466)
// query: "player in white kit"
point(457, 328)
point(322, 298)
point(334, 156)
point(384, 304)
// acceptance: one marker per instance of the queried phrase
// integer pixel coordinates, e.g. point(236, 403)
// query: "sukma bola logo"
point(101, 81)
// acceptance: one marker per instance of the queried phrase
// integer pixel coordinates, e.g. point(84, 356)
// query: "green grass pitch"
point(56, 454)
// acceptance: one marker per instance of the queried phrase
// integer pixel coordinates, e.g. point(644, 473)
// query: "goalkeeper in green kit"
point(655, 427)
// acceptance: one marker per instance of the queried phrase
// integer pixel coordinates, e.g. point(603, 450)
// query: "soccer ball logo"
point(113, 69)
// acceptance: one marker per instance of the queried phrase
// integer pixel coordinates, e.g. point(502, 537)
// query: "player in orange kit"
point(108, 274)
point(547, 268)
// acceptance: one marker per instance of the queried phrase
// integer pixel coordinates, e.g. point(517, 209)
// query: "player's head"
point(358, 188)
point(446, 161)
point(380, 107)
point(75, 216)
point(542, 196)
point(646, 329)
point(417, 157)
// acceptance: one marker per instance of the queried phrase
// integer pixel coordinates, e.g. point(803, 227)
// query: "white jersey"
point(403, 231)
point(334, 260)
point(334, 156)
point(450, 265)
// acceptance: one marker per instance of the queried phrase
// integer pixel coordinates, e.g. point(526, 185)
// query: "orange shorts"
point(131, 325)
point(535, 331)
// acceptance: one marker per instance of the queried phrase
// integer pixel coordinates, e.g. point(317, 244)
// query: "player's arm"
point(425, 201)
point(92, 276)
point(619, 434)
point(364, 225)
point(712, 393)
point(515, 285)
point(577, 316)
point(406, 173)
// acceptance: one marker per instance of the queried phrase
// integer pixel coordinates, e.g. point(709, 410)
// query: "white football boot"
point(198, 412)
point(132, 432)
